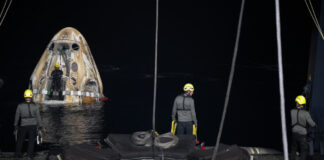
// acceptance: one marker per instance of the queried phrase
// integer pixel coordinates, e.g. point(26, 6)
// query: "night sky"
point(196, 42)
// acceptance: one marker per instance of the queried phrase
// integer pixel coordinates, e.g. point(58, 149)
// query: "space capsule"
point(80, 81)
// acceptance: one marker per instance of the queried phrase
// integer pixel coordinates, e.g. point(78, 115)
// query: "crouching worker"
point(300, 118)
point(183, 111)
point(29, 114)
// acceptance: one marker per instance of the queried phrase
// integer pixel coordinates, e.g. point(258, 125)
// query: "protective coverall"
point(184, 113)
point(299, 120)
point(29, 114)
point(56, 82)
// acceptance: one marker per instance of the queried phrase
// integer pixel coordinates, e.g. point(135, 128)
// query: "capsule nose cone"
point(69, 34)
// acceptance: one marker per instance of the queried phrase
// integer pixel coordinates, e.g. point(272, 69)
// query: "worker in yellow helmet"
point(300, 118)
point(28, 113)
point(56, 85)
point(183, 111)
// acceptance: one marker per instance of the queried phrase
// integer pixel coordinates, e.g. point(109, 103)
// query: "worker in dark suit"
point(29, 114)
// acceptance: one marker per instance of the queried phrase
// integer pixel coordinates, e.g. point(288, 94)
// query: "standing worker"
point(56, 76)
point(28, 111)
point(300, 118)
point(183, 111)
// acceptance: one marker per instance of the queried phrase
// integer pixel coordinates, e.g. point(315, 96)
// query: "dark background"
point(196, 41)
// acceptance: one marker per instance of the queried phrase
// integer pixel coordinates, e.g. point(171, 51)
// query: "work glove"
point(173, 126)
point(194, 130)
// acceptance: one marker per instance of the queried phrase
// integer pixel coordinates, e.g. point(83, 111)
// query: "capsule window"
point(73, 81)
point(74, 67)
point(51, 47)
point(75, 46)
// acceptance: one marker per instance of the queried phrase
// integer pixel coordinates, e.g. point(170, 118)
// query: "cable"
point(155, 62)
point(155, 73)
point(229, 85)
point(313, 15)
point(281, 85)
point(3, 8)
point(5, 13)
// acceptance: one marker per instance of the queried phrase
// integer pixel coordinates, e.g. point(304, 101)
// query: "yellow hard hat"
point(300, 99)
point(57, 65)
point(188, 87)
point(28, 93)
